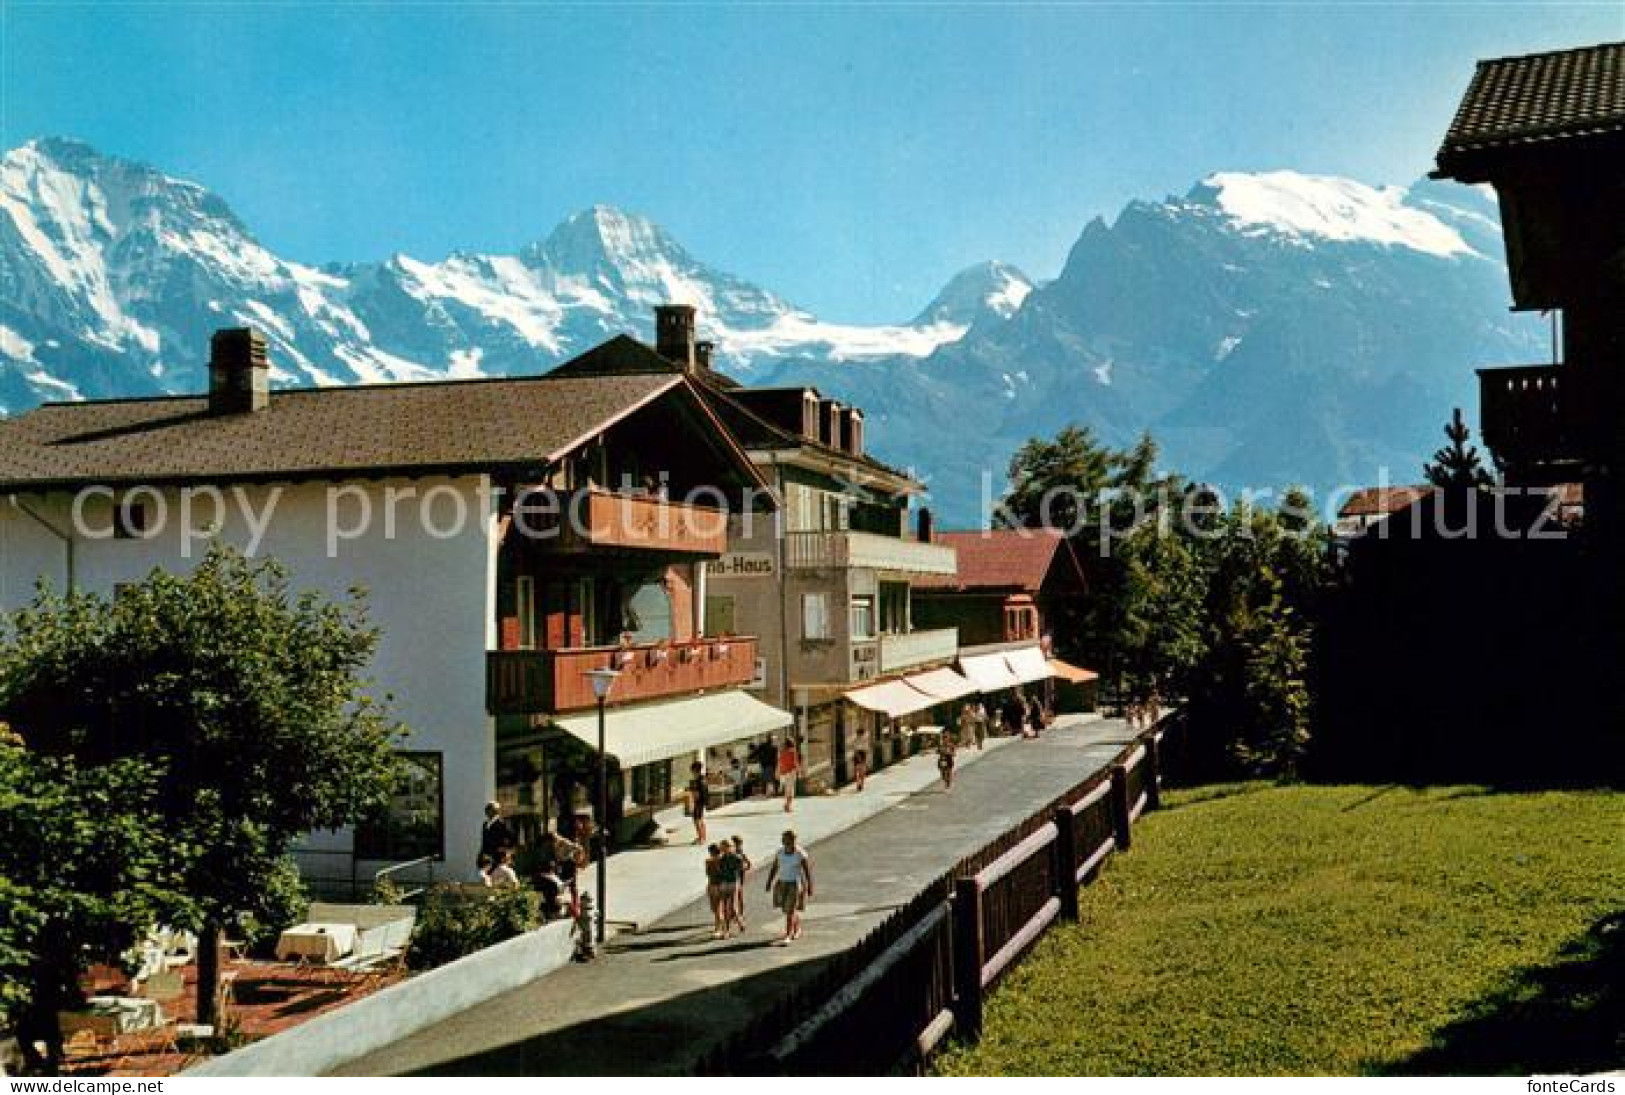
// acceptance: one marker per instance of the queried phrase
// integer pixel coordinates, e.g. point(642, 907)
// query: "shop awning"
point(988, 672)
point(1028, 665)
point(1069, 672)
point(942, 684)
point(894, 699)
point(659, 731)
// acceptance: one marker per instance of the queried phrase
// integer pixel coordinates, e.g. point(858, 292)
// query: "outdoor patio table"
point(316, 942)
point(111, 1015)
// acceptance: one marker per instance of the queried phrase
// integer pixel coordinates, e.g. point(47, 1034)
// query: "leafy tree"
point(1458, 464)
point(248, 698)
point(86, 870)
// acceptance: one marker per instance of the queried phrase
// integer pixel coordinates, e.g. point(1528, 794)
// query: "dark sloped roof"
point(1544, 97)
point(1003, 559)
point(442, 426)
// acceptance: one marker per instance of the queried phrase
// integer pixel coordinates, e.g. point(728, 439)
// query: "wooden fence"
point(886, 1003)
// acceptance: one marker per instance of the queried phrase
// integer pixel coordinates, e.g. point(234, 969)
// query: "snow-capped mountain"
point(1267, 328)
point(115, 274)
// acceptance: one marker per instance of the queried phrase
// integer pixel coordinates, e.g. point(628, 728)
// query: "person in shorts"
point(860, 757)
point(744, 872)
point(945, 757)
point(713, 891)
point(730, 877)
point(791, 884)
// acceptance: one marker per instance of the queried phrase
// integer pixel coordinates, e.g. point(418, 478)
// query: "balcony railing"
point(1544, 416)
point(590, 519)
point(866, 550)
point(899, 652)
point(530, 682)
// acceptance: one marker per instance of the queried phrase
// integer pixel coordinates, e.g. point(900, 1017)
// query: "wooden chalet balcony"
point(905, 651)
point(533, 682)
point(590, 519)
point(1541, 417)
point(866, 550)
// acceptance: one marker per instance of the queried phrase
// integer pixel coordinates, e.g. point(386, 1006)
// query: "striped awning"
point(893, 699)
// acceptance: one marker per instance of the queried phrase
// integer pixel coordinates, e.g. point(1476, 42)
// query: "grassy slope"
point(1262, 929)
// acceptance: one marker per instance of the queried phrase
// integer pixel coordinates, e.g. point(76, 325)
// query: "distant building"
point(1372, 505)
point(827, 587)
point(1012, 585)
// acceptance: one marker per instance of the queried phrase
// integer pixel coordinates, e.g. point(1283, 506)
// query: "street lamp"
point(602, 681)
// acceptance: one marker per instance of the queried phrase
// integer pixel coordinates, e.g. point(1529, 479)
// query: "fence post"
point(1066, 863)
point(968, 958)
point(1121, 820)
point(1153, 771)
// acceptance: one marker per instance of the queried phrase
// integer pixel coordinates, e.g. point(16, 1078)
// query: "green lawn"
point(1334, 930)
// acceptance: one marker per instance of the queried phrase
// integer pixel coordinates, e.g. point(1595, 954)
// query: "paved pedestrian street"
point(665, 994)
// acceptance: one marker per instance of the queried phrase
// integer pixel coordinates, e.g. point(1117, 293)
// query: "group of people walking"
point(789, 881)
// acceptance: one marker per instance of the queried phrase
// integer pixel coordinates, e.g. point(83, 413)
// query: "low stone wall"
point(342, 1035)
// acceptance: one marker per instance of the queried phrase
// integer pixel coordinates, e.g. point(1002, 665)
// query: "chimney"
point(239, 372)
point(702, 355)
point(674, 334)
point(923, 526)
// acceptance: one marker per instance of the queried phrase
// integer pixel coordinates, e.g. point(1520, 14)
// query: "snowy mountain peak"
point(986, 289)
point(1309, 207)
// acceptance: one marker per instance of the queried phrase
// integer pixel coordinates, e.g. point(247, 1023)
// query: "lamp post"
point(602, 681)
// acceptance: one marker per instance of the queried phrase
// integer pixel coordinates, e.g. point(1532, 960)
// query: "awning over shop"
point(893, 699)
point(988, 672)
point(659, 731)
point(1072, 673)
point(941, 684)
point(1028, 665)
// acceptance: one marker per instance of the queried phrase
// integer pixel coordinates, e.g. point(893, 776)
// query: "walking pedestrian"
point(745, 866)
point(730, 877)
point(767, 760)
point(945, 758)
point(789, 770)
point(967, 723)
point(713, 891)
point(696, 800)
point(860, 757)
point(1035, 714)
point(791, 884)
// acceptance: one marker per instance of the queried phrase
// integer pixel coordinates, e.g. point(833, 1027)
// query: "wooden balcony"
point(592, 519)
point(1540, 421)
point(866, 550)
point(533, 682)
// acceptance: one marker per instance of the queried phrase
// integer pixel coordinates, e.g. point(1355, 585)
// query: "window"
point(863, 617)
point(413, 825)
point(525, 595)
point(815, 616)
point(131, 520)
point(894, 608)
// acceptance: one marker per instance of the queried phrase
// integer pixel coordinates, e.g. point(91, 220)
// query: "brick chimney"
point(239, 372)
point(852, 431)
point(703, 350)
point(674, 334)
point(924, 529)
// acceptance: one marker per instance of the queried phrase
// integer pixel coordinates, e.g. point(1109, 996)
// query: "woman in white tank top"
point(791, 883)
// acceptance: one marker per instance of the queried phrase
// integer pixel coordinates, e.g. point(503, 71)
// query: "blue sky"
point(849, 157)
